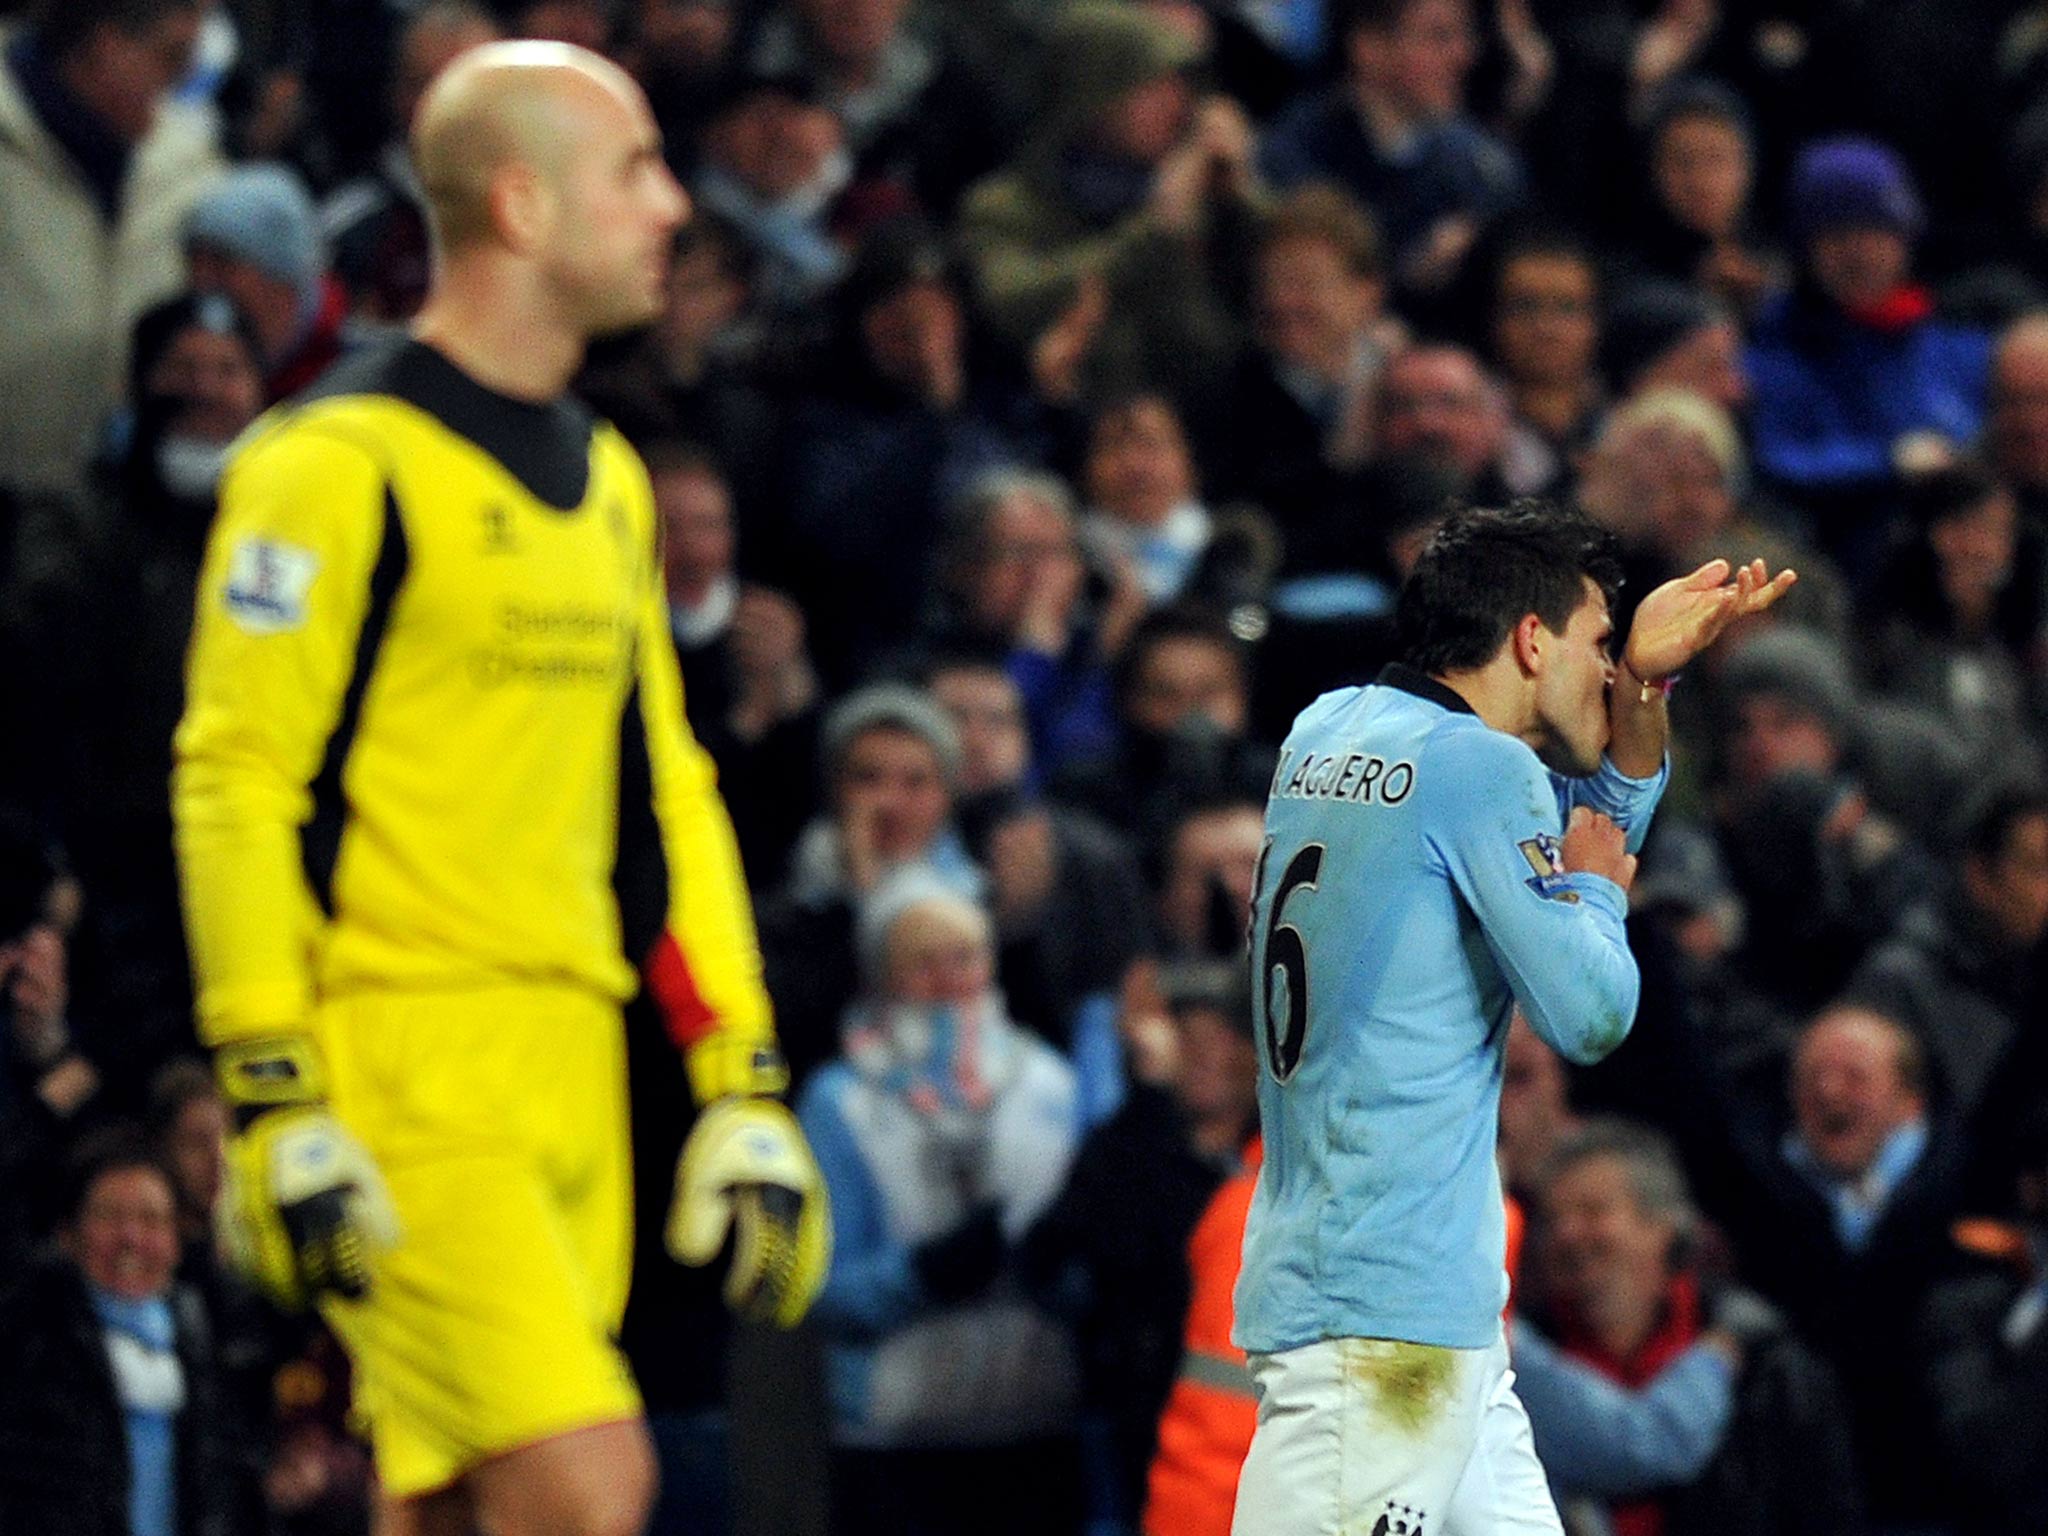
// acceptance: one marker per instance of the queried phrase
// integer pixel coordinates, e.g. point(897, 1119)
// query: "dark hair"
point(111, 1149)
point(185, 1080)
point(713, 232)
point(1540, 239)
point(28, 868)
point(1985, 828)
point(1177, 621)
point(1486, 569)
point(1693, 97)
point(1954, 490)
point(665, 455)
point(1349, 16)
point(1324, 211)
point(64, 25)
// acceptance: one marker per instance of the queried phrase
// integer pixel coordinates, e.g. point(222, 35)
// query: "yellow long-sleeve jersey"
point(434, 734)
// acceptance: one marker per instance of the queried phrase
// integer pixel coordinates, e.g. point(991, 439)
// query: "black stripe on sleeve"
point(640, 867)
point(320, 838)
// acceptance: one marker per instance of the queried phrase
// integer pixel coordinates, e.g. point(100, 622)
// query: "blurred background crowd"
point(1048, 402)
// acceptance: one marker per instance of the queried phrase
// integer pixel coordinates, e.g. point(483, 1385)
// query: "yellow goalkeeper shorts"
point(499, 1119)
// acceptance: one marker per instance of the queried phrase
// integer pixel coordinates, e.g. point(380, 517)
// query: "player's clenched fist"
point(303, 1211)
point(1595, 845)
point(747, 1170)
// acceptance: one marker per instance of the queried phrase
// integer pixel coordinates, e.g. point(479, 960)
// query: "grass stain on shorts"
point(1411, 1384)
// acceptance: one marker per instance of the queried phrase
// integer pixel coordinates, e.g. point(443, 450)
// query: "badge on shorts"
point(1546, 866)
point(1398, 1520)
point(267, 584)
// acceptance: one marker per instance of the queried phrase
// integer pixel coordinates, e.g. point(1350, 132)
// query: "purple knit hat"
point(1851, 183)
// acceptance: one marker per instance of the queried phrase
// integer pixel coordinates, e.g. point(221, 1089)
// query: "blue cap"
point(1851, 183)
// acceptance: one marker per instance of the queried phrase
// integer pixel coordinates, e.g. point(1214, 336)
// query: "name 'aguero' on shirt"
point(1354, 778)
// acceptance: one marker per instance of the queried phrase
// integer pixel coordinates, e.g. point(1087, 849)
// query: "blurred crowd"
point(1050, 398)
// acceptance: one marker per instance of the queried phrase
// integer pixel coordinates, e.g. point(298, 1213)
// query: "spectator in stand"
point(376, 223)
point(748, 685)
point(1958, 622)
point(111, 617)
point(900, 423)
point(1857, 384)
point(680, 52)
point(891, 759)
point(1298, 419)
point(695, 375)
point(1668, 474)
point(2016, 438)
point(1626, 1297)
point(590, 24)
point(921, 125)
point(1964, 975)
point(1205, 882)
point(189, 1124)
point(1983, 1337)
point(1013, 580)
point(1823, 874)
point(1396, 134)
point(1116, 1239)
point(1183, 709)
point(1145, 504)
point(1062, 887)
point(1838, 1194)
point(1437, 403)
point(944, 1131)
point(48, 1085)
point(88, 141)
point(1702, 175)
point(109, 1413)
point(255, 238)
point(1535, 1108)
point(1665, 335)
point(1545, 342)
point(1331, 618)
point(774, 165)
point(1132, 186)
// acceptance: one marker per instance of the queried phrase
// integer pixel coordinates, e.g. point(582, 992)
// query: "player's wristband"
point(1661, 688)
point(271, 1072)
point(723, 1066)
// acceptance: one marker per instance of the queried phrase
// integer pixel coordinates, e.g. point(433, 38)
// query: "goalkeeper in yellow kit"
point(438, 814)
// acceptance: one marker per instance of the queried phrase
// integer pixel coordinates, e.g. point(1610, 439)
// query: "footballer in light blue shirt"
point(1443, 844)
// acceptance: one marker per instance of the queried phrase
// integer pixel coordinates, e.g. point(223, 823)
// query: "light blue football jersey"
point(1410, 895)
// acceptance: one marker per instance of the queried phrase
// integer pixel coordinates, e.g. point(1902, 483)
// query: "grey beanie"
point(263, 215)
point(899, 706)
point(1801, 666)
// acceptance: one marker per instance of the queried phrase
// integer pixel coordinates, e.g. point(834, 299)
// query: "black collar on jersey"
point(1423, 686)
point(545, 447)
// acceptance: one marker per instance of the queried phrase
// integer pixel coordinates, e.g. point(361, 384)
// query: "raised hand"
point(1686, 615)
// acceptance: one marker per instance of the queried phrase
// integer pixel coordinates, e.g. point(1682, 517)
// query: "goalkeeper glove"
point(746, 1170)
point(303, 1209)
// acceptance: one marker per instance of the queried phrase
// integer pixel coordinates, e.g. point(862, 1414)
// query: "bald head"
point(510, 104)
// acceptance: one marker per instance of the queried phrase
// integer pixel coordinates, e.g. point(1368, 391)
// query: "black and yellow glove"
point(747, 1171)
point(303, 1210)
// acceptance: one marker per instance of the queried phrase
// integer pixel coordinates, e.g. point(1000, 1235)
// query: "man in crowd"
point(87, 141)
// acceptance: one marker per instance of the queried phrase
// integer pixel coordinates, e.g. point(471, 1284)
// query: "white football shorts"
point(1374, 1437)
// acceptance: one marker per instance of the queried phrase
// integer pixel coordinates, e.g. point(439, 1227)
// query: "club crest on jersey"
point(1546, 865)
point(498, 538)
point(267, 584)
